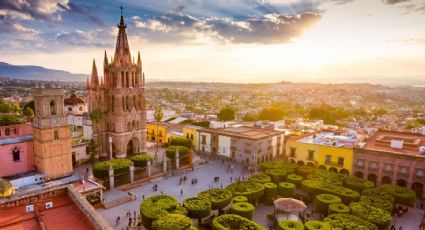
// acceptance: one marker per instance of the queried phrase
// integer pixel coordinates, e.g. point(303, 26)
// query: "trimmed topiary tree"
point(402, 195)
point(219, 198)
point(183, 154)
point(243, 209)
point(141, 160)
point(339, 208)
point(315, 187)
point(348, 221)
point(277, 175)
point(260, 178)
point(155, 206)
point(173, 222)
point(304, 170)
point(181, 141)
point(378, 203)
point(358, 184)
point(375, 192)
point(290, 225)
point(324, 200)
point(232, 222)
point(294, 179)
point(316, 225)
point(179, 210)
point(101, 169)
point(249, 189)
point(238, 199)
point(286, 189)
point(197, 208)
point(288, 167)
point(270, 190)
point(377, 216)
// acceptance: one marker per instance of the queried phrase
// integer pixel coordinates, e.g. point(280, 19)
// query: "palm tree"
point(158, 115)
point(96, 115)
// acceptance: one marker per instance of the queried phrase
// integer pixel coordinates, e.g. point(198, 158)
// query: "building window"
point(374, 165)
point(15, 131)
point(420, 173)
point(341, 161)
point(191, 136)
point(328, 159)
point(311, 155)
point(388, 167)
point(70, 109)
point(52, 107)
point(360, 162)
point(56, 135)
point(403, 170)
point(204, 139)
point(7, 131)
point(292, 152)
point(187, 135)
point(81, 108)
point(16, 154)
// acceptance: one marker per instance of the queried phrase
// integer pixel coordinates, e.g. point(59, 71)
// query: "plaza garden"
point(333, 201)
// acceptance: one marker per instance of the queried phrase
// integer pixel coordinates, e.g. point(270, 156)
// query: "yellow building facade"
point(156, 132)
point(191, 132)
point(333, 158)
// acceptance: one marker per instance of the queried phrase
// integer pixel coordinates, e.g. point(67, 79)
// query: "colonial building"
point(51, 133)
point(120, 97)
point(391, 157)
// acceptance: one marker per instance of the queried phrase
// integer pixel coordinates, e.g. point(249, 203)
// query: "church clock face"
point(55, 121)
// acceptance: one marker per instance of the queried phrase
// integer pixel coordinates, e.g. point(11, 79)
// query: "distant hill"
point(30, 72)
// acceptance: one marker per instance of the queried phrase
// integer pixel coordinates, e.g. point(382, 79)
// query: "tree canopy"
point(226, 114)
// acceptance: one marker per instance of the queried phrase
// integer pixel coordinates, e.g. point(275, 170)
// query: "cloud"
point(32, 9)
point(81, 11)
point(270, 28)
point(391, 2)
point(97, 38)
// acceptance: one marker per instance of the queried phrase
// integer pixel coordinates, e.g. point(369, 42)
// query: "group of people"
point(182, 179)
point(134, 221)
point(155, 187)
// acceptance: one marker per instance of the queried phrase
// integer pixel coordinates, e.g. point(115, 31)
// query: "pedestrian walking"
point(181, 192)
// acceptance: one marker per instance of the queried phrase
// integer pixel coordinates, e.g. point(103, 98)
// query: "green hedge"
point(197, 208)
point(172, 222)
point(232, 222)
point(315, 187)
point(339, 208)
point(294, 179)
point(249, 189)
point(179, 210)
point(276, 175)
point(219, 198)
point(141, 160)
point(375, 192)
point(101, 169)
point(156, 206)
point(324, 200)
point(378, 202)
point(377, 216)
point(270, 190)
point(358, 184)
point(286, 189)
point(171, 151)
point(290, 225)
point(288, 167)
point(402, 195)
point(327, 176)
point(304, 170)
point(237, 199)
point(316, 225)
point(243, 209)
point(260, 178)
point(181, 141)
point(348, 221)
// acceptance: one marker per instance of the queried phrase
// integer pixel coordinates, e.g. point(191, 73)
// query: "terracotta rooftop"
point(73, 100)
point(396, 142)
point(243, 132)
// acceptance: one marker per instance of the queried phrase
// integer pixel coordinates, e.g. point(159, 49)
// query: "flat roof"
point(243, 132)
point(381, 141)
point(329, 138)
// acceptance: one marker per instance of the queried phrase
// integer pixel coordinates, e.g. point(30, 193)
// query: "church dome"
point(6, 188)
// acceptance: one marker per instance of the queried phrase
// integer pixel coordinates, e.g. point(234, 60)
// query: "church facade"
point(119, 98)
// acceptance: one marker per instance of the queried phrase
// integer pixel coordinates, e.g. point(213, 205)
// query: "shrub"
point(304, 170)
point(238, 199)
point(101, 169)
point(155, 206)
point(249, 189)
point(324, 200)
point(260, 178)
point(270, 189)
point(358, 184)
point(378, 202)
point(243, 209)
point(171, 151)
point(288, 167)
point(286, 189)
point(172, 222)
point(219, 198)
point(290, 225)
point(348, 221)
point(276, 175)
point(197, 208)
point(316, 225)
point(339, 208)
point(231, 222)
point(402, 195)
point(328, 176)
point(141, 160)
point(375, 192)
point(316, 187)
point(179, 210)
point(294, 179)
point(181, 141)
point(377, 216)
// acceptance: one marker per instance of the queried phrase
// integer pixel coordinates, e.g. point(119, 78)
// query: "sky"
point(377, 41)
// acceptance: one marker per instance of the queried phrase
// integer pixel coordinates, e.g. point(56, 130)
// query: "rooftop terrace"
point(244, 132)
point(343, 140)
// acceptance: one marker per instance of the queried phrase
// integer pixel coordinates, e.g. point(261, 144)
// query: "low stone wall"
point(88, 210)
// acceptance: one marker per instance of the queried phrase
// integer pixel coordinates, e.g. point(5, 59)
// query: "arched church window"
point(52, 107)
point(122, 79)
point(70, 109)
point(134, 124)
point(16, 154)
point(56, 135)
point(81, 108)
point(127, 79)
point(128, 103)
point(112, 103)
point(135, 102)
